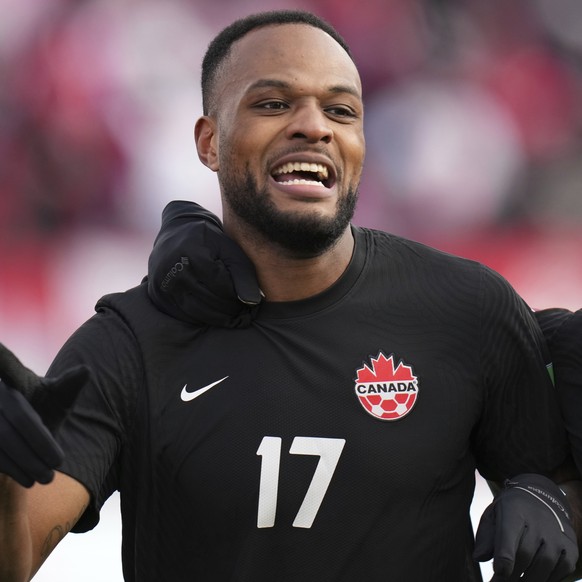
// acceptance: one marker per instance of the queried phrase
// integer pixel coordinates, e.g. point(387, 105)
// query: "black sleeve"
point(94, 434)
point(563, 331)
point(521, 429)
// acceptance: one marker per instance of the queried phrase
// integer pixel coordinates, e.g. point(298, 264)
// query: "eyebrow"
point(278, 84)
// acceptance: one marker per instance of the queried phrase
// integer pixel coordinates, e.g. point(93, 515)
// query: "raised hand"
point(31, 407)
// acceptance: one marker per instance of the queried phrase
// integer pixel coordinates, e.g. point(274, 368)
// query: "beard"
point(300, 235)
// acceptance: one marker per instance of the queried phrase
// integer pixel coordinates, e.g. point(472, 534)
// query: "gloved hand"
point(197, 273)
point(30, 408)
point(527, 529)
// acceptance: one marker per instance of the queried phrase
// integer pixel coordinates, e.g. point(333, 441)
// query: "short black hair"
point(220, 46)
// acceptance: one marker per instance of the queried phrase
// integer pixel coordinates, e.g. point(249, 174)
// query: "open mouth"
point(303, 173)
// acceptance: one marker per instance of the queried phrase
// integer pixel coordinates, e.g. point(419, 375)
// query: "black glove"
point(197, 273)
point(527, 529)
point(30, 408)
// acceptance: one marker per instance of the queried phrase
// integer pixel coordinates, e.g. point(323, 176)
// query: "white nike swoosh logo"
point(188, 396)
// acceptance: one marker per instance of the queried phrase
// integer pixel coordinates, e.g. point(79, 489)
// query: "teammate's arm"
point(562, 331)
point(36, 508)
point(34, 520)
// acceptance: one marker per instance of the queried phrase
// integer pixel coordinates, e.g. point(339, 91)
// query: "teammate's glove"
point(527, 529)
point(30, 408)
point(197, 273)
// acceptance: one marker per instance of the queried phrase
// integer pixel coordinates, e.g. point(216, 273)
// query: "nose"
point(310, 123)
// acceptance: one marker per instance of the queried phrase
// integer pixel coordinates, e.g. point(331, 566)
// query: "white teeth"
point(289, 167)
point(309, 182)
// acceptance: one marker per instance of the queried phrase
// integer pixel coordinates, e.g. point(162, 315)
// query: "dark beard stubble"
point(302, 236)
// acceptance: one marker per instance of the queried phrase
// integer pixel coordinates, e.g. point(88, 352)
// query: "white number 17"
point(328, 450)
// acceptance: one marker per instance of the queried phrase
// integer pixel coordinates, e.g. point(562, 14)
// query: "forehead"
point(296, 53)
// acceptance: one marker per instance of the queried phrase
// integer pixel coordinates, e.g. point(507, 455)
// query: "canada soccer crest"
point(386, 391)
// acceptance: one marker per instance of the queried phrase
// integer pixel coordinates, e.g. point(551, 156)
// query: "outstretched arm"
point(36, 509)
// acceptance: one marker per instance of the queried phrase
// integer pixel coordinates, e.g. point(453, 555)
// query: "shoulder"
point(562, 329)
point(134, 298)
point(104, 342)
point(394, 246)
point(135, 311)
point(420, 260)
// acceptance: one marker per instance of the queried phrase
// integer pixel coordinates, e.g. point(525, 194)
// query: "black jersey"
point(334, 439)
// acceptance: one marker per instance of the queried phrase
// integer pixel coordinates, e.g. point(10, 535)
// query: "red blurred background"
point(473, 116)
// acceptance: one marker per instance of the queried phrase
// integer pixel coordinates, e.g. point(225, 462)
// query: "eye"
point(341, 112)
point(272, 105)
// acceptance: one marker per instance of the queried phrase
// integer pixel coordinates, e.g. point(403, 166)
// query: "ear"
point(207, 142)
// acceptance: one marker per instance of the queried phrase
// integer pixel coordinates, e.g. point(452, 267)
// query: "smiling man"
point(303, 399)
point(284, 131)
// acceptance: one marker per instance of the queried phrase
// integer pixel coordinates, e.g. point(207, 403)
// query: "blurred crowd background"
point(473, 117)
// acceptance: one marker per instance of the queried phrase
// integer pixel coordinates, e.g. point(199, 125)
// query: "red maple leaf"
point(383, 371)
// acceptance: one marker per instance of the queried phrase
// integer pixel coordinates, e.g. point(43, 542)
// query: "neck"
point(286, 278)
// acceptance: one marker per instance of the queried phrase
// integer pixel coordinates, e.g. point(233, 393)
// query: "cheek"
point(230, 151)
point(238, 143)
point(355, 153)
point(352, 145)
